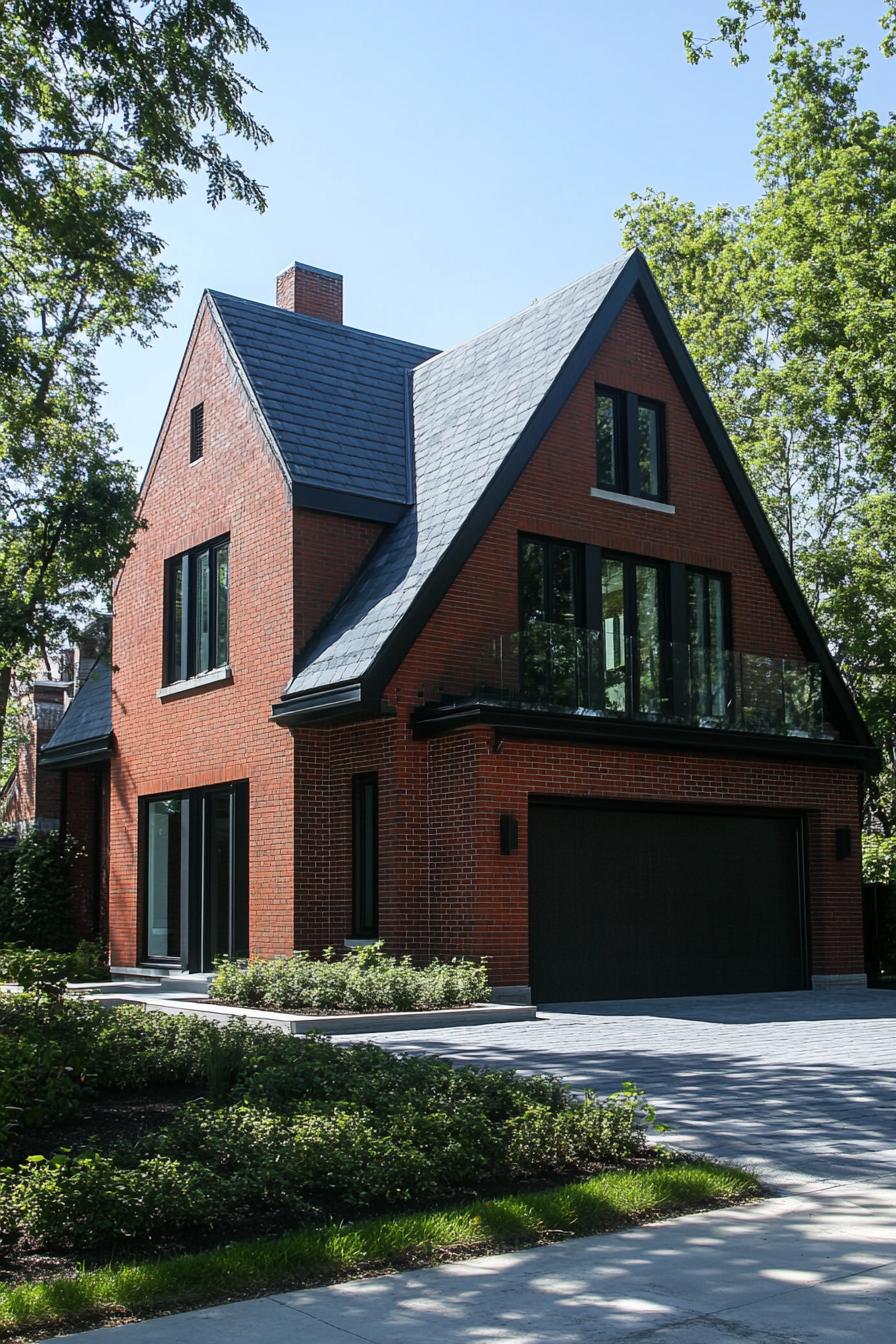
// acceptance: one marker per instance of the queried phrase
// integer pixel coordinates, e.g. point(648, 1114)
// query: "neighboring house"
point(484, 652)
point(72, 799)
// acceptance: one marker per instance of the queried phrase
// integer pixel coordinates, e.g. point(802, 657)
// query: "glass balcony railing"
point(565, 669)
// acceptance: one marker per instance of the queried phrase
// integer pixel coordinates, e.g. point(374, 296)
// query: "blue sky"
point(456, 160)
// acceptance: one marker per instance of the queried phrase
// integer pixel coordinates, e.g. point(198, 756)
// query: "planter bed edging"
point(298, 1024)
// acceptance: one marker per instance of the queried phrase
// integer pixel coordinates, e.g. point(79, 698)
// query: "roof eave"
point(91, 751)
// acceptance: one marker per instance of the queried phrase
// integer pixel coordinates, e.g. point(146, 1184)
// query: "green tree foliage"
point(104, 105)
point(788, 306)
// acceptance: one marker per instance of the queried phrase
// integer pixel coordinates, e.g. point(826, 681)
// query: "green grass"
point(327, 1254)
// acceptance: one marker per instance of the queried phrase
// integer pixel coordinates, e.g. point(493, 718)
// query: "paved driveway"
point(800, 1086)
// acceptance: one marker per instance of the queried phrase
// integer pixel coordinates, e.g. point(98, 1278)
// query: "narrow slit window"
point(197, 431)
point(365, 856)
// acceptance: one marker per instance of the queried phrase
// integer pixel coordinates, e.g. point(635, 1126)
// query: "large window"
point(194, 873)
point(707, 643)
point(365, 856)
point(633, 631)
point(631, 455)
point(552, 613)
point(197, 611)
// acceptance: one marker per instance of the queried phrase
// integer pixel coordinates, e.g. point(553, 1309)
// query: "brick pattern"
point(86, 821)
point(302, 289)
point(327, 551)
point(222, 733)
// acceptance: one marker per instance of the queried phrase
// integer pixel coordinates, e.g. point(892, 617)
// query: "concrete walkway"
point(800, 1086)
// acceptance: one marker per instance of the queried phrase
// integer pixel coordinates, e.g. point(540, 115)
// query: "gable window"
point(552, 613)
point(630, 437)
point(365, 856)
point(197, 611)
point(633, 635)
point(197, 431)
point(707, 643)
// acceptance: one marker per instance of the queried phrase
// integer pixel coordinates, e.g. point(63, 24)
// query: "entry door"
point(195, 876)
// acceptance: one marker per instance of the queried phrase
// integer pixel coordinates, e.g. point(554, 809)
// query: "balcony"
point(561, 669)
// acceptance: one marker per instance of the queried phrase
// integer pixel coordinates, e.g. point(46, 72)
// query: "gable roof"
point(84, 733)
point(479, 411)
point(334, 400)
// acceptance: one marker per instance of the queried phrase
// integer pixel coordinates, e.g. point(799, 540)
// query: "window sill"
point(615, 498)
point(359, 942)
point(219, 676)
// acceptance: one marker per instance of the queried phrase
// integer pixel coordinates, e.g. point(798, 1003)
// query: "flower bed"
point(364, 980)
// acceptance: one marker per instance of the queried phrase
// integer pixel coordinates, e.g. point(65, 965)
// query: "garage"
point(642, 903)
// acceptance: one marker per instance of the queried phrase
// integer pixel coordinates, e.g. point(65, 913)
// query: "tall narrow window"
point(633, 618)
point(552, 650)
point(197, 611)
point(608, 439)
point(163, 878)
point(707, 639)
point(615, 634)
point(365, 856)
point(197, 431)
point(648, 450)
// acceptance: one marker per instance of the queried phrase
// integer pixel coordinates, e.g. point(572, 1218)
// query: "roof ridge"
point(322, 322)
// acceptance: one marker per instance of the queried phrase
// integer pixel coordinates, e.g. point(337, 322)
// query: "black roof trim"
point(88, 752)
point(333, 702)
point(509, 721)
point(345, 504)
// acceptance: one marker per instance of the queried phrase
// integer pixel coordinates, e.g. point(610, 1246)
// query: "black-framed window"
point(197, 431)
point(365, 855)
point(197, 610)
point(634, 626)
point(631, 444)
point(552, 614)
point(709, 639)
point(193, 864)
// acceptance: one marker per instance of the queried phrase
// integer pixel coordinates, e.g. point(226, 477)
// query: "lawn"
point(153, 1162)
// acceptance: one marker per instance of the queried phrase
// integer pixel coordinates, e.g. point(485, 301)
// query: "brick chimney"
point(309, 290)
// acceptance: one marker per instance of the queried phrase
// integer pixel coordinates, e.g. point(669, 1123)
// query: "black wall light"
point(843, 842)
point(510, 833)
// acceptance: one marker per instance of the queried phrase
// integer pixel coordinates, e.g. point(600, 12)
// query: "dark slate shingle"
point(89, 716)
point(333, 397)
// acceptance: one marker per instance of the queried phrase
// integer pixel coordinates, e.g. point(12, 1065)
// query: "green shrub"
point(287, 1128)
point(365, 979)
point(35, 893)
point(47, 973)
point(89, 961)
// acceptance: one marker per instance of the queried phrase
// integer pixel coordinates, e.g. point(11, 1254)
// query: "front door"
point(194, 867)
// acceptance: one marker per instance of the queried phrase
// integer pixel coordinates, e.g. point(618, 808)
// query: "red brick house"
point(488, 651)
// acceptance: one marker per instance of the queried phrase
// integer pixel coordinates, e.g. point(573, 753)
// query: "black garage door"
point(638, 904)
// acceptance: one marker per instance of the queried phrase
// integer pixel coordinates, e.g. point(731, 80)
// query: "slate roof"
point(88, 717)
point(333, 397)
point(470, 406)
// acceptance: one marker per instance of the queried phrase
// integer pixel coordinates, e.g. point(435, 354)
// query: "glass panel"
point(564, 670)
point(648, 450)
point(218, 898)
point(163, 894)
point(606, 440)
point(647, 592)
point(614, 633)
point(532, 582)
point(203, 606)
point(365, 857)
point(176, 671)
point(222, 607)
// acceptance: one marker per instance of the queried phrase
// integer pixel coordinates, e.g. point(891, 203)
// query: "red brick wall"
point(222, 733)
point(86, 822)
point(327, 551)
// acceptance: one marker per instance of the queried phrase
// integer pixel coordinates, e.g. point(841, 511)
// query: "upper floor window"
point(197, 610)
point(631, 450)
point(197, 431)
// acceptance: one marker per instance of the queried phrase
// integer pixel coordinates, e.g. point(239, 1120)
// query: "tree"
point(104, 105)
point(788, 305)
